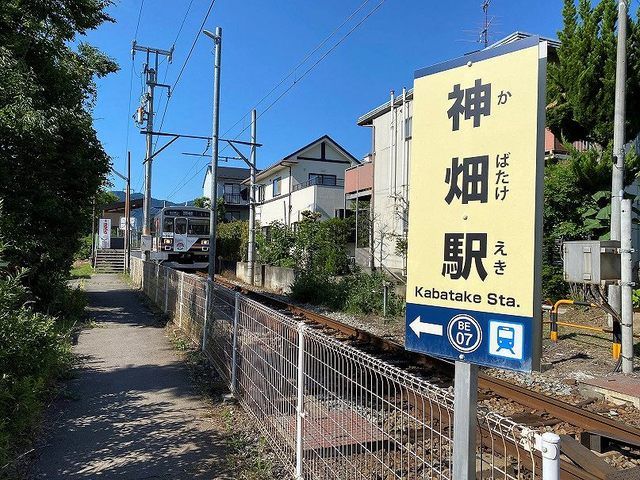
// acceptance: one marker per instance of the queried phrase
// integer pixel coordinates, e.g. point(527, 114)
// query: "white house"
point(311, 178)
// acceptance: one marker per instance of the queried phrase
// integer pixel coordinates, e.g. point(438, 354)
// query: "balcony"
point(234, 199)
point(323, 181)
point(359, 179)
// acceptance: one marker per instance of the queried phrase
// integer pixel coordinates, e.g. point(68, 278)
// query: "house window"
point(232, 188)
point(232, 193)
point(322, 179)
point(260, 193)
point(276, 186)
point(408, 127)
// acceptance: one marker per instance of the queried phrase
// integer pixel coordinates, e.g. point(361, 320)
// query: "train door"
point(180, 235)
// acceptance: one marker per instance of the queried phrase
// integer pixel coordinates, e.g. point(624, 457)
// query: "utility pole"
point(252, 200)
point(146, 110)
point(127, 215)
point(617, 174)
point(213, 200)
point(93, 232)
point(627, 287)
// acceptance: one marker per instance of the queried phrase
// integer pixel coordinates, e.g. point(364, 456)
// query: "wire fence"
point(329, 410)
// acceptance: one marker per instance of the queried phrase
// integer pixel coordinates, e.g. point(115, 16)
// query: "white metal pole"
point(300, 402)
point(627, 286)
point(550, 456)
point(234, 351)
point(464, 421)
point(617, 175)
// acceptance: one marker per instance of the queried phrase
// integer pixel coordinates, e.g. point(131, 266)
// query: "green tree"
point(581, 83)
point(51, 161)
point(203, 202)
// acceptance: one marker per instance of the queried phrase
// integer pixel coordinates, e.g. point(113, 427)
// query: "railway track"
point(580, 463)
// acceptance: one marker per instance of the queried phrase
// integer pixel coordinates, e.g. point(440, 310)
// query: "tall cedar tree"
point(580, 106)
point(581, 84)
point(51, 161)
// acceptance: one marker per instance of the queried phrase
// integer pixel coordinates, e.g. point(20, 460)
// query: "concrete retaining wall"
point(278, 279)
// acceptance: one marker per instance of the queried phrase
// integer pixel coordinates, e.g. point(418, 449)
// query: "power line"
point(184, 18)
point(186, 60)
point(288, 89)
point(299, 64)
point(128, 119)
point(325, 55)
point(135, 36)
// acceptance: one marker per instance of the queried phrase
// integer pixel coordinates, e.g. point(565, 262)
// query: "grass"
point(81, 270)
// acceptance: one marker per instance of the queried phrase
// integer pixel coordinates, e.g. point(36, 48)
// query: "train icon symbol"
point(506, 339)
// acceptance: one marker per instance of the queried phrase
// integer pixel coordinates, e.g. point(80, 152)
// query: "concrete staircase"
point(109, 261)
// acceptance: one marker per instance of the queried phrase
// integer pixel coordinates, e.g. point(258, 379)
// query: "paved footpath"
point(131, 412)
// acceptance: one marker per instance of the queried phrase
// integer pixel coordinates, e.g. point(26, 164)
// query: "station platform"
point(616, 388)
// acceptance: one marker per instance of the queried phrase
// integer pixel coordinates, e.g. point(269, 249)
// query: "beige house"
point(311, 178)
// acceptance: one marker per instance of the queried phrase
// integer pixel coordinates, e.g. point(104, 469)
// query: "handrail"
point(321, 181)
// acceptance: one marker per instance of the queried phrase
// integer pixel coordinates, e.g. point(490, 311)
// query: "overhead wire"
point(299, 64)
point(296, 81)
point(131, 73)
point(186, 61)
point(306, 72)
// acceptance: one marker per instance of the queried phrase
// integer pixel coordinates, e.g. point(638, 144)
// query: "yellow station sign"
point(475, 201)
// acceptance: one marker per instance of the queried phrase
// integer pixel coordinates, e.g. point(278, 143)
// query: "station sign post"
point(475, 236)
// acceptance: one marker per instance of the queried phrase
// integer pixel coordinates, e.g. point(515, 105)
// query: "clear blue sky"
point(263, 41)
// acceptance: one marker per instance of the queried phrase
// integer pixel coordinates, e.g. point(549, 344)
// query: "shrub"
point(365, 295)
point(232, 240)
point(84, 252)
point(318, 290)
point(34, 350)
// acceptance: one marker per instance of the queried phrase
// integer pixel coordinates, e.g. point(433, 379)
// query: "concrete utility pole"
point(627, 286)
point(217, 40)
point(252, 201)
point(617, 175)
point(127, 215)
point(151, 75)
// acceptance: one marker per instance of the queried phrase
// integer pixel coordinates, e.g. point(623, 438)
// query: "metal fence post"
point(207, 294)
point(300, 402)
point(157, 280)
point(234, 351)
point(166, 290)
point(180, 299)
point(550, 448)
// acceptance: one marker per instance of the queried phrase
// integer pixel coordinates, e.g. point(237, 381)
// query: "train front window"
point(181, 226)
point(168, 225)
point(198, 227)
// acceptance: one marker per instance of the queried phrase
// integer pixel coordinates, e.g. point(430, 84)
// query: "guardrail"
point(328, 409)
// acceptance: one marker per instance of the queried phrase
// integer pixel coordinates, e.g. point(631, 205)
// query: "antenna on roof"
point(484, 33)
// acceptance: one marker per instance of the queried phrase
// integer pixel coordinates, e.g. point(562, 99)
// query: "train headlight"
point(167, 241)
point(205, 242)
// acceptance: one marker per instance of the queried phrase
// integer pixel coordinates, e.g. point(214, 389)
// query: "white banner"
point(104, 232)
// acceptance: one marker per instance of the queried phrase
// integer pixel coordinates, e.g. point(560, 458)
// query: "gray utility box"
point(591, 261)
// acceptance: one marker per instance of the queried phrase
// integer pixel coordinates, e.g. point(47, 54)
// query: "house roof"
point(290, 160)
point(380, 110)
point(512, 37)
